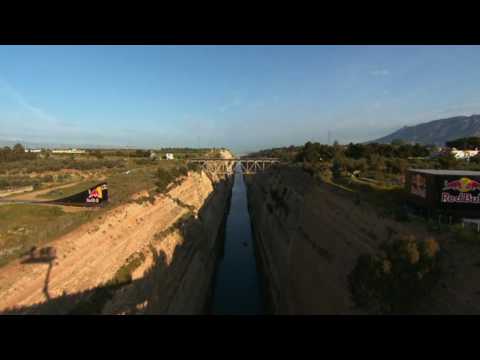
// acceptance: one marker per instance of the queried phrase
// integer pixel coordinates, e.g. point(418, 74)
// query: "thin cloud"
point(36, 122)
point(20, 100)
point(380, 72)
point(235, 103)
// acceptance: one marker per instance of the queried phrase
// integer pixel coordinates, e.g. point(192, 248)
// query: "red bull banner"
point(96, 195)
point(463, 190)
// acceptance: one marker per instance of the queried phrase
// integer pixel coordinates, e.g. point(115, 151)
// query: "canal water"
point(237, 287)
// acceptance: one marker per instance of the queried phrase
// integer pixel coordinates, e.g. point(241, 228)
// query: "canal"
point(237, 287)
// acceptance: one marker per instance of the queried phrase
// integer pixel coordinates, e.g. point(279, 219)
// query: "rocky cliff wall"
point(308, 237)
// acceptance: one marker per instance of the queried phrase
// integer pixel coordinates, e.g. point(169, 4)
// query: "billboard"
point(93, 196)
point(463, 190)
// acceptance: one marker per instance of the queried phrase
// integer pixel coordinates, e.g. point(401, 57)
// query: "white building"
point(68, 151)
point(169, 156)
point(33, 150)
point(464, 154)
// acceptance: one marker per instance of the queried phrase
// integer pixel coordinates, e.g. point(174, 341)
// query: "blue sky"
point(242, 97)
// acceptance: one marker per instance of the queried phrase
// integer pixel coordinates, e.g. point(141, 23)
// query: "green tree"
point(397, 280)
point(466, 143)
point(18, 149)
point(447, 161)
point(338, 166)
point(98, 154)
point(397, 142)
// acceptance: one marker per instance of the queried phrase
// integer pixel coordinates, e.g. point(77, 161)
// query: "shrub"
point(194, 167)
point(165, 177)
point(142, 161)
point(98, 154)
point(47, 178)
point(400, 279)
point(36, 185)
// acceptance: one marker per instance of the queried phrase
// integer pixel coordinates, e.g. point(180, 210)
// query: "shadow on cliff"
point(154, 292)
point(94, 300)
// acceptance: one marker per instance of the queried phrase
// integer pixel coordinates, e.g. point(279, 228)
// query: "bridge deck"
point(227, 166)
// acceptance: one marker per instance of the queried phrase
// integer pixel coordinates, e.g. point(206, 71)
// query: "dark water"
point(237, 283)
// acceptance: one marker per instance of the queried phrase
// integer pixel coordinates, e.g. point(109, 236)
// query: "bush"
point(47, 178)
point(338, 167)
point(400, 279)
point(165, 177)
point(194, 167)
point(98, 154)
point(142, 161)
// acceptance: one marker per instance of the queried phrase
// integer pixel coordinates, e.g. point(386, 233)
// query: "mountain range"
point(436, 132)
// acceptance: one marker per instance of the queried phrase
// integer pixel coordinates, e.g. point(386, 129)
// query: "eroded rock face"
point(308, 237)
point(173, 243)
point(177, 276)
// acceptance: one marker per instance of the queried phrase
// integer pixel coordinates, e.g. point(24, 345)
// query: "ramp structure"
point(95, 196)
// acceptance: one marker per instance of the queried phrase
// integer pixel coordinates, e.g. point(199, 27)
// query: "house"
point(169, 156)
point(463, 154)
point(68, 151)
point(33, 150)
point(458, 154)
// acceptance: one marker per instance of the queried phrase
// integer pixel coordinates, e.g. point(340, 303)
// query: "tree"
point(19, 149)
point(466, 143)
point(397, 166)
point(338, 165)
point(398, 279)
point(397, 142)
point(45, 153)
point(98, 154)
point(377, 163)
point(356, 151)
point(447, 161)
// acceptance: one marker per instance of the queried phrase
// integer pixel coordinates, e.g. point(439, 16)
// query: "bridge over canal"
point(228, 166)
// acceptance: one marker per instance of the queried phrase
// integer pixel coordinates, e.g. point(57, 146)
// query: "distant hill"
point(436, 132)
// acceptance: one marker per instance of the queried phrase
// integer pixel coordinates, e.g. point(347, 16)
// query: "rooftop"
point(446, 172)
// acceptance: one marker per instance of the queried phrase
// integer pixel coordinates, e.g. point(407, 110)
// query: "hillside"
point(437, 132)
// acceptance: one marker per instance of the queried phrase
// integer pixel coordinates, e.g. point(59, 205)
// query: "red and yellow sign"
point(96, 194)
point(463, 190)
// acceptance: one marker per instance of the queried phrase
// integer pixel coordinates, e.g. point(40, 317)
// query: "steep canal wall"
point(144, 257)
point(308, 237)
point(180, 279)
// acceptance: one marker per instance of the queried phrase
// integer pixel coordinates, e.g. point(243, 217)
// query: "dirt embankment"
point(308, 238)
point(173, 241)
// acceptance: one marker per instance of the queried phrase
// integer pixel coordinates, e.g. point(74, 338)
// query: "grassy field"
point(23, 226)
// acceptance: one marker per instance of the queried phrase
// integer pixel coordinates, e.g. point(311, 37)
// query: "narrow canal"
point(237, 287)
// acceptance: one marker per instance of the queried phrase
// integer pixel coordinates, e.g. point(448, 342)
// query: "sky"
point(241, 97)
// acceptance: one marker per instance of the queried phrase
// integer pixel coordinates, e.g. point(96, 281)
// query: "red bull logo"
point(95, 195)
point(463, 190)
point(462, 185)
